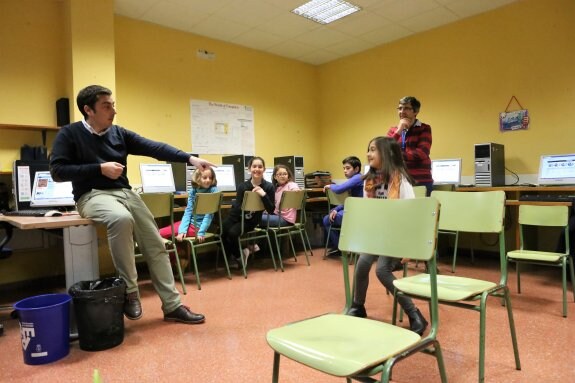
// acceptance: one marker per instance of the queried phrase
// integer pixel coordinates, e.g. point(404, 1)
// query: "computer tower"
point(489, 164)
point(295, 164)
point(183, 174)
point(240, 163)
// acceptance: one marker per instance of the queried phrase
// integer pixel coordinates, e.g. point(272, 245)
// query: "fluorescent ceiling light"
point(326, 11)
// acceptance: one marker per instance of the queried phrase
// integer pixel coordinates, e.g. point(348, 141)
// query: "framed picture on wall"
point(514, 120)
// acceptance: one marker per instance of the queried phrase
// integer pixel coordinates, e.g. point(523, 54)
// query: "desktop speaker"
point(62, 111)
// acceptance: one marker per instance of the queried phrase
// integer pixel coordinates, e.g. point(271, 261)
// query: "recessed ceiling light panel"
point(326, 11)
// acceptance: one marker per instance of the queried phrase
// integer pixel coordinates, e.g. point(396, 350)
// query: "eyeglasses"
point(400, 108)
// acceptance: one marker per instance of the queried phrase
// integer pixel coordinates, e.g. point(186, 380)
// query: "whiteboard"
point(222, 128)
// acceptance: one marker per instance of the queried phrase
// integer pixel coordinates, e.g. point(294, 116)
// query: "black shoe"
point(397, 266)
point(334, 253)
point(183, 314)
point(357, 310)
point(132, 306)
point(234, 263)
point(417, 322)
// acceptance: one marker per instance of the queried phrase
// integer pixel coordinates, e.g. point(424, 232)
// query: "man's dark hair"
point(89, 96)
point(414, 102)
point(353, 161)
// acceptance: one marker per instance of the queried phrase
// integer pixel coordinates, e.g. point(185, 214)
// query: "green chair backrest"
point(160, 204)
point(252, 202)
point(544, 215)
point(420, 191)
point(474, 212)
point(207, 203)
point(387, 227)
point(292, 199)
point(335, 199)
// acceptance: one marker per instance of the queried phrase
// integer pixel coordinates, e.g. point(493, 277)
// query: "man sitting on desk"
point(92, 153)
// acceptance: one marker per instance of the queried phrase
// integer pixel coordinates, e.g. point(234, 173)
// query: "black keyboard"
point(28, 213)
point(547, 197)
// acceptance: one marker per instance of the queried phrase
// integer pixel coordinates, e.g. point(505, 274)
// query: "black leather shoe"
point(132, 306)
point(183, 314)
point(357, 311)
point(417, 322)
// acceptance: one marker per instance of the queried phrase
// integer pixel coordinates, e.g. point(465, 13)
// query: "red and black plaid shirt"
point(416, 150)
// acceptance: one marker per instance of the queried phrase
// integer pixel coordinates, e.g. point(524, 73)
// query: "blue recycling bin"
point(44, 327)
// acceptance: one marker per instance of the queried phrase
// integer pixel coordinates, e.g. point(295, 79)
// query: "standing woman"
point(232, 225)
point(387, 178)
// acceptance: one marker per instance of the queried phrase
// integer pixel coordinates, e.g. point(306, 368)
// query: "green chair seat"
point(449, 287)
point(342, 345)
point(537, 256)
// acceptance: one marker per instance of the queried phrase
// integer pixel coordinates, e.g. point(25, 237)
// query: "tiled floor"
point(231, 346)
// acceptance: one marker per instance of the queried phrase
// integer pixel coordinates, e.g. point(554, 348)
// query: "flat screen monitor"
point(226, 177)
point(157, 178)
point(47, 193)
point(268, 174)
point(557, 169)
point(446, 171)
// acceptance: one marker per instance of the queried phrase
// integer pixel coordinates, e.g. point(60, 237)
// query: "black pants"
point(232, 229)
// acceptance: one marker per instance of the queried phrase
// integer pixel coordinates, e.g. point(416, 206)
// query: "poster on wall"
point(222, 128)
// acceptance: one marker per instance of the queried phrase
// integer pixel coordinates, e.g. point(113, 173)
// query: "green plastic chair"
point(359, 348)
point(449, 224)
point(293, 199)
point(551, 216)
point(333, 200)
point(252, 202)
point(207, 203)
point(477, 212)
point(420, 191)
point(161, 205)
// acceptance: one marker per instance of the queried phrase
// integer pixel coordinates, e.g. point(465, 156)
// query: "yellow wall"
point(31, 76)
point(464, 74)
point(158, 73)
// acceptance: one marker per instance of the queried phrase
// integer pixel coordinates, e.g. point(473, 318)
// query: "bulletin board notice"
point(222, 128)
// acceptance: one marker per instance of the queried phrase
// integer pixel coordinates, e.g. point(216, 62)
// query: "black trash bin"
point(99, 309)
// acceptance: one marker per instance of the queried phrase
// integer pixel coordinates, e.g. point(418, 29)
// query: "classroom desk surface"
point(554, 189)
point(80, 243)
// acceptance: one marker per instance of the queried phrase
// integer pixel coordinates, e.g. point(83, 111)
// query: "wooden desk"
point(80, 243)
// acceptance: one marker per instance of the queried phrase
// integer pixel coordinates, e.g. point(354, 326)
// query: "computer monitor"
point(157, 178)
point(446, 171)
point(226, 177)
point(47, 193)
point(557, 169)
point(268, 174)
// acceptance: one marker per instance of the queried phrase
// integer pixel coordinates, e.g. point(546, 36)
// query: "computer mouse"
point(53, 213)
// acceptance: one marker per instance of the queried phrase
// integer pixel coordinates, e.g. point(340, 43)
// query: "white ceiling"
point(269, 26)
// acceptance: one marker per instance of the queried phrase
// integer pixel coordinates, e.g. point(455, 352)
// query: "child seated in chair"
point(203, 181)
point(282, 179)
point(354, 184)
point(232, 225)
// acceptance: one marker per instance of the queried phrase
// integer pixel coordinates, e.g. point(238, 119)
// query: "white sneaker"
point(247, 253)
point(256, 248)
